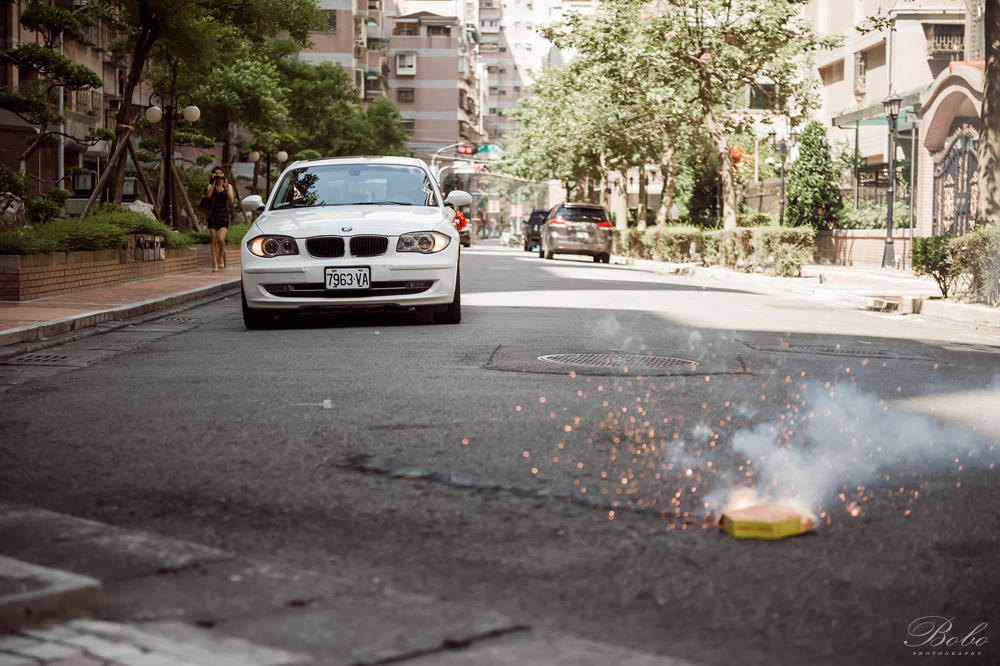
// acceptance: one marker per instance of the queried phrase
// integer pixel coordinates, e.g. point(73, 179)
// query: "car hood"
point(354, 220)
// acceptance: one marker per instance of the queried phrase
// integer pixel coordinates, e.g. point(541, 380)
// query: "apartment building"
point(83, 110)
point(437, 78)
point(353, 34)
point(931, 55)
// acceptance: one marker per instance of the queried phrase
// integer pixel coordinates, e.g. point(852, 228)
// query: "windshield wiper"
point(383, 203)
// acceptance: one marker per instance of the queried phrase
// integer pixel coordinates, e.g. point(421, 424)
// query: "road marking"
point(326, 404)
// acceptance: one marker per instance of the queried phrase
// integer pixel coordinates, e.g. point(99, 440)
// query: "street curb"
point(33, 332)
point(57, 594)
point(963, 313)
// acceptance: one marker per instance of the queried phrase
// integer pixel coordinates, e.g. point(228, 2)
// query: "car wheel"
point(598, 258)
point(453, 313)
point(547, 254)
point(252, 317)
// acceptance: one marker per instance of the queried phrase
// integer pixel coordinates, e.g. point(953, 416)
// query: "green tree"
point(813, 190)
point(44, 72)
point(187, 30)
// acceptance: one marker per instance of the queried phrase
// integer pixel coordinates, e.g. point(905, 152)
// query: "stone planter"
point(30, 276)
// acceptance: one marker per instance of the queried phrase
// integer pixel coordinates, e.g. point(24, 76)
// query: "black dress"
point(219, 217)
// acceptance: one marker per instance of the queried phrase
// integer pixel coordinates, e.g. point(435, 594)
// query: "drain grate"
point(843, 351)
point(38, 359)
point(630, 361)
point(176, 320)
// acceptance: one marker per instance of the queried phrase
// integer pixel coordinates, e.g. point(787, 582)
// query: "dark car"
point(533, 229)
point(577, 228)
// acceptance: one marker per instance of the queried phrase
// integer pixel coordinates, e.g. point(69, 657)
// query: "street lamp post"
point(783, 147)
point(154, 114)
point(891, 106)
point(281, 157)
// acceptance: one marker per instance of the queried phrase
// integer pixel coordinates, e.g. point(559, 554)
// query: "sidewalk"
point(859, 287)
point(34, 321)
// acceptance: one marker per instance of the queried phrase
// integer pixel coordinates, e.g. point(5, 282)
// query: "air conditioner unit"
point(114, 105)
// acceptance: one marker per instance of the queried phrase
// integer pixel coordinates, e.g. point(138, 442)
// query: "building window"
point(406, 28)
point(438, 30)
point(493, 111)
point(503, 92)
point(503, 71)
point(517, 88)
point(406, 64)
point(405, 94)
point(494, 89)
point(327, 21)
point(832, 73)
point(409, 124)
point(503, 49)
point(945, 40)
point(492, 69)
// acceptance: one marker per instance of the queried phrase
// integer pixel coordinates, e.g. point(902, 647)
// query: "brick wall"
point(859, 247)
point(27, 277)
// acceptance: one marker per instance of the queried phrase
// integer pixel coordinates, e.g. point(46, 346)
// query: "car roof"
point(363, 159)
point(580, 204)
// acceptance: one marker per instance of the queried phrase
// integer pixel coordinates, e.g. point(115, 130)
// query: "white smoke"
point(840, 436)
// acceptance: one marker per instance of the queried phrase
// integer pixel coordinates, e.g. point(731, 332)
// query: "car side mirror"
point(458, 198)
point(252, 203)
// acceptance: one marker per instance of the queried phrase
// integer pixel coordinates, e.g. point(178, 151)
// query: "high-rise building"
point(353, 35)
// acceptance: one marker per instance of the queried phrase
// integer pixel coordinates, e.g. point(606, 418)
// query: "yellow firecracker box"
point(765, 522)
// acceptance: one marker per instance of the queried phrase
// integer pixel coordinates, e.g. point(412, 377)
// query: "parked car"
point(577, 228)
point(533, 229)
point(368, 233)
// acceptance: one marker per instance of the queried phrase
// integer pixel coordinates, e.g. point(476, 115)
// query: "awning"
point(873, 115)
point(11, 122)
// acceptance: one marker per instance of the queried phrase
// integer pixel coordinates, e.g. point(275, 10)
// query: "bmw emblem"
point(346, 228)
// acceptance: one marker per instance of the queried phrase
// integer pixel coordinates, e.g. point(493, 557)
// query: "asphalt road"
point(456, 462)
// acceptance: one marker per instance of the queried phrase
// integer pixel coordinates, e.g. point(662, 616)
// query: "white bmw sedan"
point(359, 233)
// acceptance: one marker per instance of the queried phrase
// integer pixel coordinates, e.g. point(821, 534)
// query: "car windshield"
point(583, 214)
point(354, 184)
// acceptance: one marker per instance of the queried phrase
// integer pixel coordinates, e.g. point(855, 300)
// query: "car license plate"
point(583, 235)
point(357, 277)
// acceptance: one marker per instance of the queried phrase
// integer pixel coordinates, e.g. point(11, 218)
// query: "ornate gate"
point(956, 183)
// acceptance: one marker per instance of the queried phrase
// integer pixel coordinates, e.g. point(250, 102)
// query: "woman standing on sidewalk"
point(221, 193)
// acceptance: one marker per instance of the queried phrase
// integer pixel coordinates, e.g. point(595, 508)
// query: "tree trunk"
point(669, 176)
point(988, 208)
point(641, 210)
point(140, 54)
point(725, 167)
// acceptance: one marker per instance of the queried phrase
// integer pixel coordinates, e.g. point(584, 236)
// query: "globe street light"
point(783, 146)
point(254, 156)
point(154, 114)
point(891, 107)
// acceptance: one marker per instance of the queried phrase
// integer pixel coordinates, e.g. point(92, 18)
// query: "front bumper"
point(399, 281)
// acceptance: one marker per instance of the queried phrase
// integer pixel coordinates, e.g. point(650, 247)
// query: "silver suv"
point(577, 228)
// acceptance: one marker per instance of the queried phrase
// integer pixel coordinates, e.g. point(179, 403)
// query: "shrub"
point(61, 236)
point(977, 253)
point(677, 242)
point(813, 192)
point(869, 216)
point(709, 248)
point(785, 249)
point(934, 256)
point(734, 248)
point(756, 220)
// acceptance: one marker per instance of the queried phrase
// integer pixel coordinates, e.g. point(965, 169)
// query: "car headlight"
point(272, 246)
point(425, 242)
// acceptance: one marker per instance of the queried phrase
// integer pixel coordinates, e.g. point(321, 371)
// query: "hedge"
point(977, 254)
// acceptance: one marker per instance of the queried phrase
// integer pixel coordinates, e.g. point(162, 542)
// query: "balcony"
point(945, 41)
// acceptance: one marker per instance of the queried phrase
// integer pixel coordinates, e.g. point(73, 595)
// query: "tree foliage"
point(813, 190)
point(654, 70)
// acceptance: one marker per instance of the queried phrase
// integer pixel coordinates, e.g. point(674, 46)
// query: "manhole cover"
point(631, 361)
point(39, 359)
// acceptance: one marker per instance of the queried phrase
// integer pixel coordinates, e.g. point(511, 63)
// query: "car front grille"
point(368, 246)
point(325, 247)
point(319, 290)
